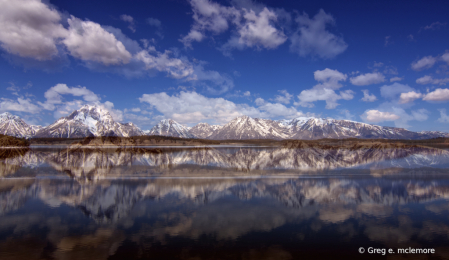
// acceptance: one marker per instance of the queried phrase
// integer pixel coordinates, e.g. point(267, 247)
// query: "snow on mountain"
point(15, 126)
point(95, 121)
point(89, 120)
point(204, 130)
point(169, 127)
point(435, 134)
point(245, 127)
point(316, 128)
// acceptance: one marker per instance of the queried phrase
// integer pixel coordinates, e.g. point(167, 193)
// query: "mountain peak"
point(169, 127)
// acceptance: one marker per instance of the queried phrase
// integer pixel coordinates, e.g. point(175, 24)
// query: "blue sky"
point(379, 62)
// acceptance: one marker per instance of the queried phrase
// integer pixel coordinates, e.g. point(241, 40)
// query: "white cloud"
point(430, 80)
point(424, 63)
point(330, 76)
point(367, 97)
point(444, 118)
point(307, 97)
point(130, 20)
point(252, 27)
point(313, 39)
point(29, 28)
point(88, 41)
point(376, 116)
point(19, 105)
point(394, 79)
point(247, 94)
point(394, 90)
point(174, 67)
point(208, 16)
point(258, 31)
point(368, 79)
point(439, 94)
point(329, 80)
point(284, 98)
point(445, 57)
point(53, 95)
point(191, 107)
point(195, 107)
point(409, 97)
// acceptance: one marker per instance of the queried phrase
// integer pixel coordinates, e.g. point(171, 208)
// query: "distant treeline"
point(6, 140)
point(167, 140)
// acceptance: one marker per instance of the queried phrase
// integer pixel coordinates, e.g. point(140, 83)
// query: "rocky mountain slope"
point(204, 130)
point(15, 126)
point(88, 121)
point(95, 121)
point(168, 127)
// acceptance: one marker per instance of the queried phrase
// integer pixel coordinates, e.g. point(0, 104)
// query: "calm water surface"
point(223, 203)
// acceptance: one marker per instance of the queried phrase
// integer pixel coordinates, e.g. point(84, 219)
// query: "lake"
point(224, 203)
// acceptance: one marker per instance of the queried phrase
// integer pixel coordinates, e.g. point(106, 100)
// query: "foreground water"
point(223, 203)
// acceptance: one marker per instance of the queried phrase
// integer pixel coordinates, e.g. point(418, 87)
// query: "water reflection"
point(98, 163)
point(278, 217)
point(85, 204)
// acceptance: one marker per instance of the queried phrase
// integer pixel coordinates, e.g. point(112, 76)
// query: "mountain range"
point(91, 120)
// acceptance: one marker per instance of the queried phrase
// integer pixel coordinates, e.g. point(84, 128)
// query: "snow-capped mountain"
point(15, 126)
point(316, 128)
point(245, 127)
point(434, 134)
point(168, 127)
point(204, 130)
point(89, 120)
point(95, 121)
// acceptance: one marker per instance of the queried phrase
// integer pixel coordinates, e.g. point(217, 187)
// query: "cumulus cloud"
point(444, 118)
point(307, 97)
point(313, 39)
point(191, 107)
point(425, 80)
point(409, 97)
point(439, 94)
point(130, 20)
point(29, 28)
point(88, 41)
point(367, 97)
point(368, 79)
point(19, 105)
point(376, 116)
point(208, 16)
point(257, 31)
point(284, 98)
point(424, 63)
point(329, 81)
point(247, 94)
point(394, 79)
point(251, 26)
point(174, 67)
point(54, 95)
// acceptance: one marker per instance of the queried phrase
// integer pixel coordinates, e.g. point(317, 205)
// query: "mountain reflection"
point(98, 163)
point(393, 211)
